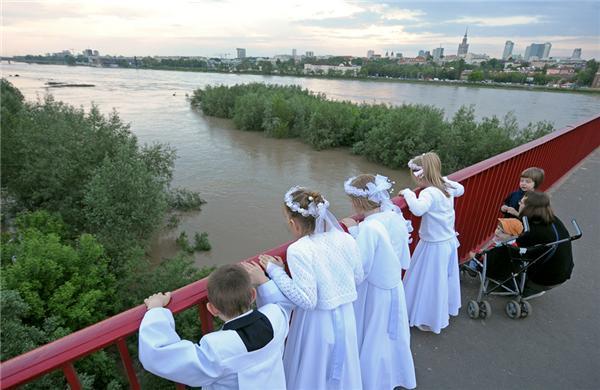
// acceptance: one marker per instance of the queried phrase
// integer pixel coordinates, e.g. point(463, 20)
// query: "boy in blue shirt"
point(531, 179)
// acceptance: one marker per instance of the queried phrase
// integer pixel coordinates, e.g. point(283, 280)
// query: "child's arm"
point(367, 243)
point(417, 206)
point(267, 290)
point(302, 290)
point(456, 189)
point(163, 353)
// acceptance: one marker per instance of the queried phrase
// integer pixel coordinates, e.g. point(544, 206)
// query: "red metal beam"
point(486, 183)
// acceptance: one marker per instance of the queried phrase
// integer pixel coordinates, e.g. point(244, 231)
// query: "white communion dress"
point(432, 284)
point(321, 350)
point(381, 316)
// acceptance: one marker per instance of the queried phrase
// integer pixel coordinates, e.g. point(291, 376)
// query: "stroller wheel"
point(526, 309)
point(513, 309)
point(473, 309)
point(485, 310)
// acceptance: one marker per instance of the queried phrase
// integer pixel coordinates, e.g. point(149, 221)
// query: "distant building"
point(417, 60)
point(294, 54)
point(576, 54)
point(324, 69)
point(88, 52)
point(438, 53)
point(424, 53)
point(241, 53)
point(398, 55)
point(476, 59)
point(596, 82)
point(310, 53)
point(95, 53)
point(508, 48)
point(547, 47)
point(537, 51)
point(463, 47)
point(370, 53)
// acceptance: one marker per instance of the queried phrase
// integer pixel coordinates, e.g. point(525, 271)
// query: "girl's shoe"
point(424, 328)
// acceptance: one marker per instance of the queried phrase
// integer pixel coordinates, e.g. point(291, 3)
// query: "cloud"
point(498, 21)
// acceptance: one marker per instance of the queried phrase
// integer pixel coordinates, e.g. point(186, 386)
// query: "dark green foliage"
point(56, 279)
point(249, 111)
point(184, 243)
point(124, 200)
point(80, 173)
point(586, 75)
point(388, 135)
point(201, 242)
point(182, 199)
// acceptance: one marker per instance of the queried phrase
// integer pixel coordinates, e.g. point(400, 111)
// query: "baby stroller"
point(515, 284)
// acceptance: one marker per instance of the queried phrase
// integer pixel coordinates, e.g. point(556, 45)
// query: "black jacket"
point(549, 270)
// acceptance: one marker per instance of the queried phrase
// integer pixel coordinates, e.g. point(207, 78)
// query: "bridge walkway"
point(558, 347)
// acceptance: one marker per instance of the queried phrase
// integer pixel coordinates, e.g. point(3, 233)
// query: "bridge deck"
point(558, 347)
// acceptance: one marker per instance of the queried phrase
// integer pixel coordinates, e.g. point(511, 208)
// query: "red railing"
point(486, 185)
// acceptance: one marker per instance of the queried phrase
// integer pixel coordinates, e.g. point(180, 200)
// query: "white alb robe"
point(321, 350)
point(381, 316)
point(432, 284)
point(220, 361)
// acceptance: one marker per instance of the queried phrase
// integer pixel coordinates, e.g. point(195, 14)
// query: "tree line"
point(81, 199)
point(389, 135)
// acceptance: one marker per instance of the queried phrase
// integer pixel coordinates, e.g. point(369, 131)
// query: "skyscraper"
point(537, 50)
point(438, 53)
point(294, 52)
point(370, 53)
point(576, 54)
point(547, 47)
point(463, 48)
point(508, 48)
point(241, 53)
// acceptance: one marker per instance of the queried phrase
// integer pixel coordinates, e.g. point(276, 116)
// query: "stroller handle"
point(577, 230)
point(525, 221)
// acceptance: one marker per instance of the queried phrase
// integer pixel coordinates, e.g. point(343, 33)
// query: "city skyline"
point(338, 27)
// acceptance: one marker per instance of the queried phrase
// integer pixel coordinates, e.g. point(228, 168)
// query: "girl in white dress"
point(325, 267)
point(432, 284)
point(381, 317)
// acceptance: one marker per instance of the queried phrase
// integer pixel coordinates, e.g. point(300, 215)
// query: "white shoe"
point(424, 328)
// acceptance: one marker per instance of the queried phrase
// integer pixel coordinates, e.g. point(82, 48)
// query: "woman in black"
point(544, 227)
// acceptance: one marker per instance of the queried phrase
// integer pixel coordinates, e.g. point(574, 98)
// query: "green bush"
point(201, 242)
point(183, 199)
point(384, 134)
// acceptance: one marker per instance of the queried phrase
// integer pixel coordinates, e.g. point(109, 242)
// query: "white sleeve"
point(269, 293)
point(456, 189)
point(353, 231)
point(367, 243)
point(163, 353)
point(418, 206)
point(399, 236)
point(301, 289)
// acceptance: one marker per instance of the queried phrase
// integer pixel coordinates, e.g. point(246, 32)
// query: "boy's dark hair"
point(536, 174)
point(230, 290)
point(536, 206)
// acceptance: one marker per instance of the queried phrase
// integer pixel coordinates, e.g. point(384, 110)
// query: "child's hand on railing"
point(157, 300)
point(266, 259)
point(257, 274)
point(349, 222)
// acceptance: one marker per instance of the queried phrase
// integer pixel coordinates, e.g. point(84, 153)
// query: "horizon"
point(339, 27)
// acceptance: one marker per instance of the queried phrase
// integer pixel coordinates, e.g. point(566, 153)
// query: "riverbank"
point(455, 83)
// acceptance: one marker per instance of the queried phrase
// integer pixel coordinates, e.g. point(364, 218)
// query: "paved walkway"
point(558, 347)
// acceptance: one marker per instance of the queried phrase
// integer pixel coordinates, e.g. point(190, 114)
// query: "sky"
point(269, 27)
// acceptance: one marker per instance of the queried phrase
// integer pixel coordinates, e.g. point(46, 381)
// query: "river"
point(243, 175)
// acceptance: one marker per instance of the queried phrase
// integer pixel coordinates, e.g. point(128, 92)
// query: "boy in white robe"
point(381, 317)
point(245, 354)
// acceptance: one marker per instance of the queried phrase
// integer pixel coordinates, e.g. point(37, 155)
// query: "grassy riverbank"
point(384, 134)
